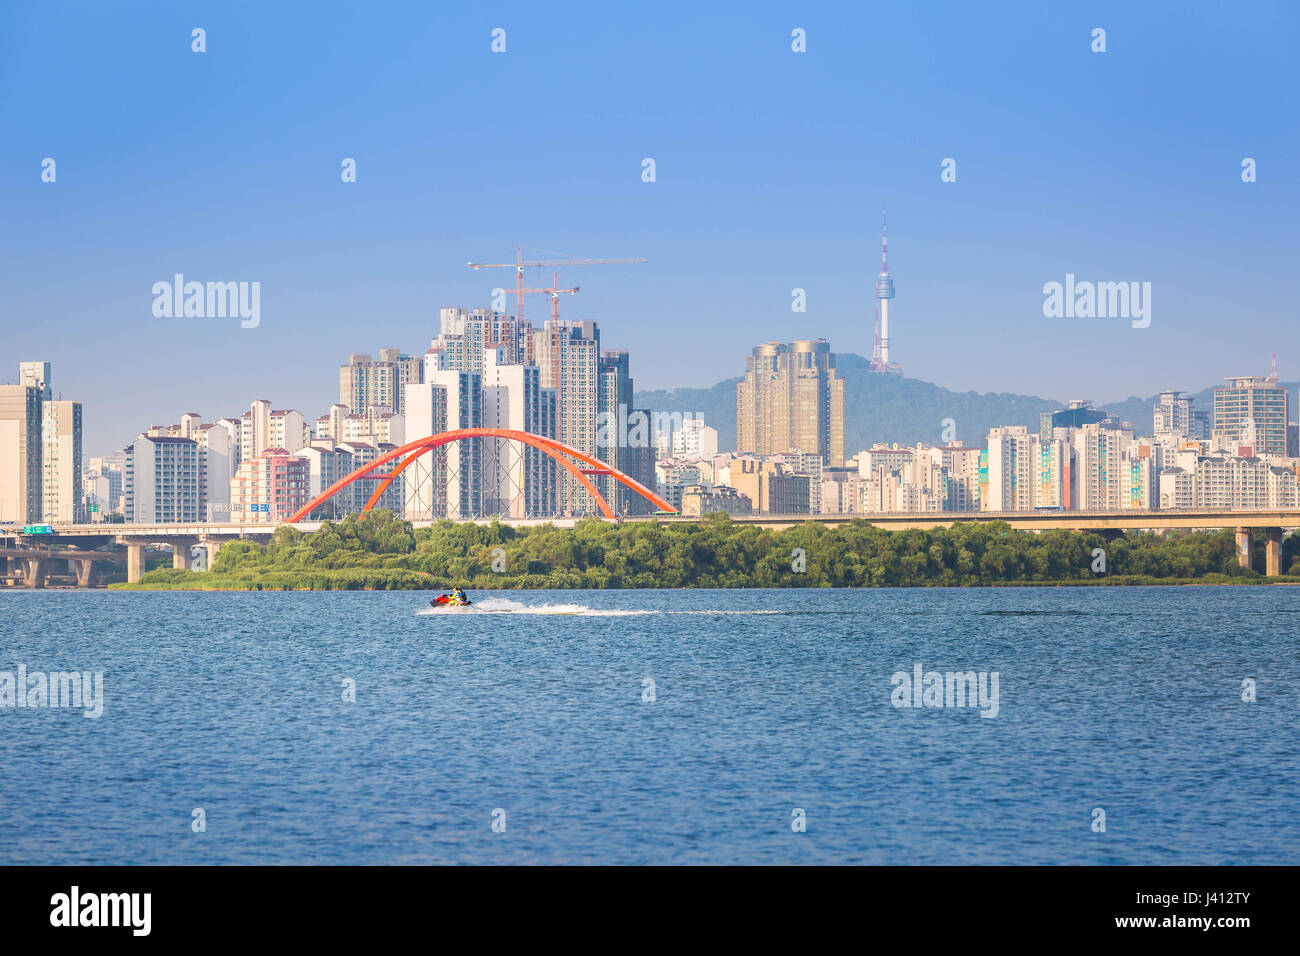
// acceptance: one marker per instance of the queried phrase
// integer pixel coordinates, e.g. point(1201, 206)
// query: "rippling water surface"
point(531, 703)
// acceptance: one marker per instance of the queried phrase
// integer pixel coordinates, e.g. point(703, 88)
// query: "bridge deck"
point(1027, 520)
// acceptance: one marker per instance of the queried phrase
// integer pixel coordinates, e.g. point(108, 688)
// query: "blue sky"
point(772, 168)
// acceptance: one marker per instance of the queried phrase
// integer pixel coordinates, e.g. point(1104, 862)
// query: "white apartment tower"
point(426, 414)
point(518, 480)
point(464, 458)
point(161, 483)
point(263, 427)
point(1012, 470)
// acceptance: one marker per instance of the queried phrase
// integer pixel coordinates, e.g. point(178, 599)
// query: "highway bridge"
point(184, 538)
point(34, 567)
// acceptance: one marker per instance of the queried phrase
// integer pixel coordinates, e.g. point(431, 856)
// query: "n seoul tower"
point(884, 292)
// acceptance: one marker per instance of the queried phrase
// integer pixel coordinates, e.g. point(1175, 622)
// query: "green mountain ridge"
point(892, 408)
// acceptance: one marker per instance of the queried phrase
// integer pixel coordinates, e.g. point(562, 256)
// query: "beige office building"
point(791, 399)
point(772, 487)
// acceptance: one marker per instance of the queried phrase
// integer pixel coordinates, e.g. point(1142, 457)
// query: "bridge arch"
point(412, 450)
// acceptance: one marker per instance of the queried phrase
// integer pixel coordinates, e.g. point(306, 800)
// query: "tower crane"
point(521, 263)
point(554, 292)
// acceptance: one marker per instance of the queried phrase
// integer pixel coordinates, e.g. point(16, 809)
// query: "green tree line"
point(379, 550)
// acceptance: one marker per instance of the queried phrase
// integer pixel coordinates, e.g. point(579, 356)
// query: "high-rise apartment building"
point(623, 435)
point(326, 464)
point(362, 453)
point(961, 469)
point(464, 336)
point(897, 478)
point(1101, 473)
point(1076, 414)
point(464, 458)
point(263, 427)
point(161, 481)
point(36, 375)
point(268, 488)
point(613, 439)
point(1172, 416)
point(366, 383)
point(1226, 482)
point(519, 480)
point(1099, 466)
point(791, 398)
point(375, 426)
point(219, 460)
point(41, 479)
point(21, 497)
point(102, 484)
point(61, 472)
point(426, 476)
point(568, 354)
point(1011, 476)
point(1252, 411)
point(448, 481)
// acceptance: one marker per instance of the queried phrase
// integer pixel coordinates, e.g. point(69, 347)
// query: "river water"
point(754, 726)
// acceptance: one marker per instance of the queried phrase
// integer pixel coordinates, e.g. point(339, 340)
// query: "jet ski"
point(449, 600)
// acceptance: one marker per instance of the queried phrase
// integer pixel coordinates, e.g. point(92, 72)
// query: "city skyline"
point(128, 430)
point(1122, 166)
point(481, 374)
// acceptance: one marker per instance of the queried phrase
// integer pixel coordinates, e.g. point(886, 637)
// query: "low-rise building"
point(698, 500)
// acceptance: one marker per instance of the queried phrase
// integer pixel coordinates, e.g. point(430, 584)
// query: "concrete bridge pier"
point(1273, 552)
point(1243, 547)
point(85, 571)
point(34, 571)
point(134, 561)
point(213, 545)
point(182, 558)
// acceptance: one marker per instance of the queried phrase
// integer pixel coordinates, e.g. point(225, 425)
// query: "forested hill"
point(892, 408)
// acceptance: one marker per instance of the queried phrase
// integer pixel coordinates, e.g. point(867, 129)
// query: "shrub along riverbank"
point(380, 551)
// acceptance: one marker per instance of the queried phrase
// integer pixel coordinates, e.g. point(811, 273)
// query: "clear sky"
point(771, 170)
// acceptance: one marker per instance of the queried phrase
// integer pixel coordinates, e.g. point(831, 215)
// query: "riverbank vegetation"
point(381, 551)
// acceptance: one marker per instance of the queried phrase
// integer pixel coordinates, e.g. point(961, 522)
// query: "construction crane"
point(554, 292)
point(521, 263)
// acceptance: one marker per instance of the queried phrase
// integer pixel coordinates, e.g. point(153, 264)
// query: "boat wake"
point(506, 606)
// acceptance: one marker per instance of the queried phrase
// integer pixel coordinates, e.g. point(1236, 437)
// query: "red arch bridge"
point(570, 459)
